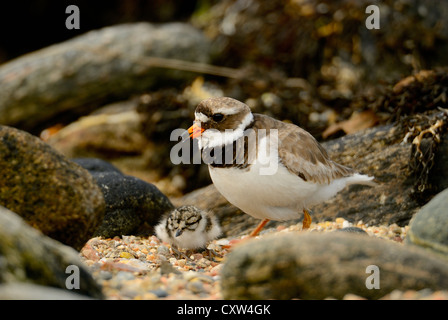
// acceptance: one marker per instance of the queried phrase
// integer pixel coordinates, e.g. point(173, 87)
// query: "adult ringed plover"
point(270, 169)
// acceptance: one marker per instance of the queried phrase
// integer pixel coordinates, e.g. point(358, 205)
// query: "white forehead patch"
point(227, 110)
point(199, 116)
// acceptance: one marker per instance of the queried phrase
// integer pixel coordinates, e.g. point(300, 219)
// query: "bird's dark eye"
point(217, 117)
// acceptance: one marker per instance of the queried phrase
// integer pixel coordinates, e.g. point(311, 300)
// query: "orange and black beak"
point(195, 131)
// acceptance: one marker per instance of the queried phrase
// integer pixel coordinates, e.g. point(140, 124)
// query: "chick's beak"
point(178, 232)
point(195, 130)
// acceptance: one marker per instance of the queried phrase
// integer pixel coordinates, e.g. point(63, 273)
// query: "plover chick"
point(188, 227)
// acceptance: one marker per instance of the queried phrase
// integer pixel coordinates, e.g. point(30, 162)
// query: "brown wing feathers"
point(307, 159)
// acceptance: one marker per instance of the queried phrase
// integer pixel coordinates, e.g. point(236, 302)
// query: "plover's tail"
point(361, 179)
point(325, 192)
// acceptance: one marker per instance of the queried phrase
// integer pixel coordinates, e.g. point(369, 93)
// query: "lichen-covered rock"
point(48, 191)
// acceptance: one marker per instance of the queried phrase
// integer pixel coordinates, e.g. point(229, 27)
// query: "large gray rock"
point(317, 266)
point(89, 70)
point(48, 191)
point(28, 256)
point(429, 226)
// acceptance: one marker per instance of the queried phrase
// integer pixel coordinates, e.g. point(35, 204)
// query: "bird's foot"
point(257, 230)
point(213, 255)
point(179, 253)
point(306, 223)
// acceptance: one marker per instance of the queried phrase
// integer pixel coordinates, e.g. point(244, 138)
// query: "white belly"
point(266, 190)
point(281, 196)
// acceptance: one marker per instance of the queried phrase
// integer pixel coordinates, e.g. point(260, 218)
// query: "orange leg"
point(259, 227)
point(306, 223)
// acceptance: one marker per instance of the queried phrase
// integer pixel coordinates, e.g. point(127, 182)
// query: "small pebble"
point(352, 230)
point(160, 293)
point(346, 224)
point(163, 250)
point(195, 286)
point(105, 275)
point(123, 276)
point(126, 255)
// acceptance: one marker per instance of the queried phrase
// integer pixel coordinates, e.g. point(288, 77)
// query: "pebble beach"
point(144, 268)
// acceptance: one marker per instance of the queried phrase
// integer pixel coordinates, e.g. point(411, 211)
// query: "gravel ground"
point(138, 268)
